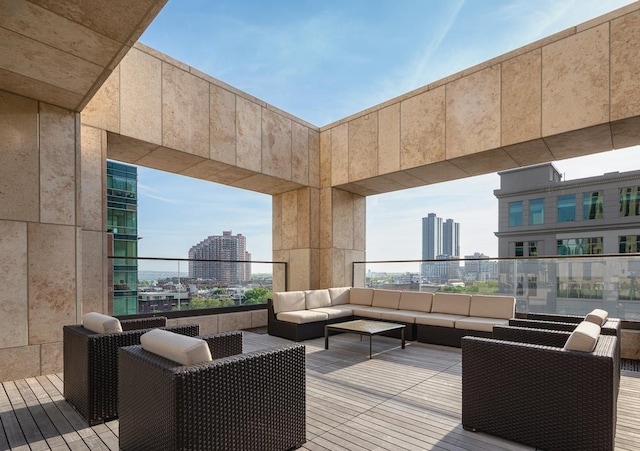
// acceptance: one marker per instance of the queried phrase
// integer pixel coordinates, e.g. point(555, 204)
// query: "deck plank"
point(399, 400)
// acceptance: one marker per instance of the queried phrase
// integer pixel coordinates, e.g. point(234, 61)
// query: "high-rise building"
point(451, 238)
point(122, 223)
point(229, 252)
point(440, 240)
point(431, 236)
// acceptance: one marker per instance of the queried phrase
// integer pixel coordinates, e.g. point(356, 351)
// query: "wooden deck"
point(400, 399)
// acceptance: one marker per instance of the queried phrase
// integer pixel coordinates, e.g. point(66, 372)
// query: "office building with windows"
point(232, 250)
point(122, 224)
point(542, 215)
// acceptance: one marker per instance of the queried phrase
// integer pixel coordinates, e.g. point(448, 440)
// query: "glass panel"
point(629, 244)
point(515, 214)
point(592, 205)
point(580, 246)
point(567, 208)
point(533, 248)
point(630, 201)
point(519, 249)
point(536, 211)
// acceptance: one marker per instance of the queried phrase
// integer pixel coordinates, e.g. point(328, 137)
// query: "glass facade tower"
point(122, 222)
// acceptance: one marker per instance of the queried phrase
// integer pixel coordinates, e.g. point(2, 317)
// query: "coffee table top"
point(366, 326)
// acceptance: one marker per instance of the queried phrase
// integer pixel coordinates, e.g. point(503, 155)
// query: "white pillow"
point(101, 324)
point(583, 338)
point(179, 348)
point(597, 316)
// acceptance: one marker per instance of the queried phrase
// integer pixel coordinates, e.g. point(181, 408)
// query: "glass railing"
point(162, 285)
point(566, 285)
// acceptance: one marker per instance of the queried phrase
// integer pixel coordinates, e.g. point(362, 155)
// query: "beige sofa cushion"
point(405, 316)
point(361, 296)
point(340, 295)
point(317, 299)
point(101, 324)
point(335, 311)
point(583, 338)
point(288, 301)
point(302, 316)
point(480, 323)
point(503, 307)
point(439, 319)
point(597, 316)
point(179, 348)
point(451, 303)
point(419, 301)
point(386, 299)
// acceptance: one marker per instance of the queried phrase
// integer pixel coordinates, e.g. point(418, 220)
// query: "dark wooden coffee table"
point(363, 327)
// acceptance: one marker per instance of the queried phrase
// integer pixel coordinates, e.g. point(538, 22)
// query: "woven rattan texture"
point(253, 401)
point(91, 368)
point(539, 395)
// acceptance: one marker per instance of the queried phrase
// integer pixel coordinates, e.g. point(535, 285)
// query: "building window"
point(630, 201)
point(567, 208)
point(580, 246)
point(533, 248)
point(519, 249)
point(536, 211)
point(515, 214)
point(629, 244)
point(592, 205)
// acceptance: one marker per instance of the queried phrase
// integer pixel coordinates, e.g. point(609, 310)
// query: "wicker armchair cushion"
point(340, 295)
point(583, 338)
point(317, 298)
point(288, 301)
point(178, 348)
point(101, 324)
point(597, 316)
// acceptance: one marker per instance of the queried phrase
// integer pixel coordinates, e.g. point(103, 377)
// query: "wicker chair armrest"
point(224, 344)
point(554, 338)
point(555, 317)
point(143, 323)
point(539, 324)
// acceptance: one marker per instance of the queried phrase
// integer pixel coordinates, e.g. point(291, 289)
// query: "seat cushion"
point(369, 312)
point(583, 338)
point(317, 299)
point(404, 316)
point(101, 324)
point(386, 298)
point(288, 301)
point(451, 303)
point(361, 296)
point(439, 319)
point(179, 348)
point(302, 316)
point(597, 316)
point(335, 311)
point(480, 323)
point(339, 295)
point(420, 301)
point(503, 307)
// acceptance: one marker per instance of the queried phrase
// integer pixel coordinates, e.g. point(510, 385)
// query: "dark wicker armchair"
point(566, 322)
point(253, 401)
point(541, 395)
point(91, 365)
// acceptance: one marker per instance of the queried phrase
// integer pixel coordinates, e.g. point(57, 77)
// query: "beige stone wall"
point(48, 225)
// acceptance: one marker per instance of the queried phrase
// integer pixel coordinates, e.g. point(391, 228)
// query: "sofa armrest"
point(555, 338)
point(225, 344)
point(143, 323)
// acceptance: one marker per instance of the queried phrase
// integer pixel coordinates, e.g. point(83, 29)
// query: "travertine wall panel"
point(521, 91)
point(19, 159)
point(530, 152)
point(314, 158)
point(299, 153)
point(473, 113)
point(248, 135)
point(13, 280)
point(290, 220)
point(51, 358)
point(575, 81)
point(303, 214)
point(276, 145)
point(258, 318)
point(363, 147)
point(422, 137)
point(93, 152)
point(52, 281)
point(93, 294)
point(340, 154)
point(314, 218)
point(359, 222)
point(276, 222)
point(57, 171)
point(326, 167)
point(185, 111)
point(342, 212)
point(222, 125)
point(326, 217)
point(625, 66)
point(300, 269)
point(140, 97)
point(19, 363)
point(389, 139)
point(234, 321)
point(103, 110)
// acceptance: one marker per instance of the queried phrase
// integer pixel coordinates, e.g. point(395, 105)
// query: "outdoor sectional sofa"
point(437, 318)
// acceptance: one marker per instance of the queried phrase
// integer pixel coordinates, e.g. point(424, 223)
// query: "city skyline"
point(324, 61)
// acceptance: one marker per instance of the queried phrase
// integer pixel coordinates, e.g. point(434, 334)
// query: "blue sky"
point(324, 60)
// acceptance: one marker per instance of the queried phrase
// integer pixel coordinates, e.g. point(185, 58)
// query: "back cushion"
point(288, 301)
point(598, 316)
point(451, 303)
point(583, 338)
point(101, 324)
point(317, 298)
point(339, 295)
point(179, 348)
point(386, 298)
point(361, 296)
point(416, 300)
point(503, 307)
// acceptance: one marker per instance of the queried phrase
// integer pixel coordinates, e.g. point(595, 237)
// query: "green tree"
point(257, 296)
